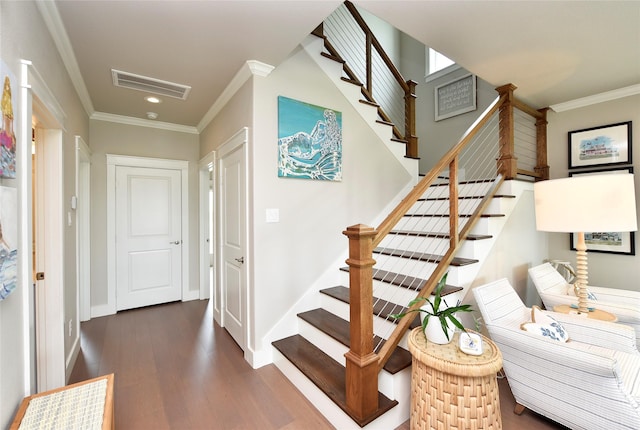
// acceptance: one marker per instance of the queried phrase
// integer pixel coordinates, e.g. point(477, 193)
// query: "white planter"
point(434, 332)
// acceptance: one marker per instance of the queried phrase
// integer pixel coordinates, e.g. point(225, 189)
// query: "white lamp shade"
point(589, 203)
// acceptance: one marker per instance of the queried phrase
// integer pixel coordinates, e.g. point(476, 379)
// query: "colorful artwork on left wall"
point(309, 141)
point(7, 135)
point(8, 241)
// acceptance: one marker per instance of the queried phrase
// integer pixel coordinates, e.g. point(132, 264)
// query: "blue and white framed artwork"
point(309, 141)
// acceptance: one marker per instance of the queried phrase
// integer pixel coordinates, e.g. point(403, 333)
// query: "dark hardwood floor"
point(175, 369)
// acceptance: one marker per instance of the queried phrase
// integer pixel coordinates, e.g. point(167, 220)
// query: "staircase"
point(314, 358)
point(410, 253)
point(368, 110)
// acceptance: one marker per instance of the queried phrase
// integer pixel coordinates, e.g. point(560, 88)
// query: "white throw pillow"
point(545, 325)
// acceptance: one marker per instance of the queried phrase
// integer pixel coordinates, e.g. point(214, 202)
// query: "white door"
point(232, 238)
point(148, 236)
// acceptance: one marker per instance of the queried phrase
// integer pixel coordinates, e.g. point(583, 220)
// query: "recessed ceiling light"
point(152, 115)
point(152, 99)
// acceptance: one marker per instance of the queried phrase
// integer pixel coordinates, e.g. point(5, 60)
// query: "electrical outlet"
point(70, 327)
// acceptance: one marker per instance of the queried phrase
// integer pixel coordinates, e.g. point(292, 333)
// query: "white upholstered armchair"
point(554, 290)
point(592, 381)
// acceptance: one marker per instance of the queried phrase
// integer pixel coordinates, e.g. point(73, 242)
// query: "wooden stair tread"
point(351, 81)
point(474, 181)
point(404, 281)
point(447, 215)
point(472, 197)
point(437, 235)
point(421, 256)
point(325, 373)
point(338, 329)
point(332, 57)
point(369, 103)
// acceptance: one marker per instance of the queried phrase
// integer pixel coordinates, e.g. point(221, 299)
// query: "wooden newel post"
point(410, 120)
point(507, 161)
point(362, 363)
point(542, 168)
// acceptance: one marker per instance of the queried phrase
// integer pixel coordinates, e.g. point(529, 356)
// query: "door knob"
point(239, 260)
point(177, 242)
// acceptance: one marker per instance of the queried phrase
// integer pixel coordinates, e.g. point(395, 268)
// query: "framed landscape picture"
point(600, 146)
point(610, 242)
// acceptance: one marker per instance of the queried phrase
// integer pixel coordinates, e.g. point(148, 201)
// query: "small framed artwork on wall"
point(600, 146)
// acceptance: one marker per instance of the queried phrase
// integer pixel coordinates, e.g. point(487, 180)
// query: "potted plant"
point(439, 319)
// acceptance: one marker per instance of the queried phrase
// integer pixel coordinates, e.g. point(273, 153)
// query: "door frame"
point(45, 305)
point(81, 203)
point(238, 140)
point(206, 164)
point(114, 160)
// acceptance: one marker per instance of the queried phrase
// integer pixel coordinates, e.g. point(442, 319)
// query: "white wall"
point(289, 256)
point(518, 248)
point(237, 113)
point(607, 270)
point(122, 139)
point(23, 35)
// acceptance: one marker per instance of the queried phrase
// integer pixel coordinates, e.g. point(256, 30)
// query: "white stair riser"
point(465, 207)
point(430, 224)
point(327, 344)
point(473, 189)
point(428, 245)
point(475, 249)
point(405, 266)
point(431, 245)
point(381, 327)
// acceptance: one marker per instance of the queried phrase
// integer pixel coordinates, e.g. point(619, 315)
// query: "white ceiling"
point(553, 51)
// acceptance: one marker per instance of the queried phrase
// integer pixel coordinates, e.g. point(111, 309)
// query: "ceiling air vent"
point(149, 85)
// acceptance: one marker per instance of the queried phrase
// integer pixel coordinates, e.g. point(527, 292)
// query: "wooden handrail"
point(408, 87)
point(362, 363)
point(387, 349)
point(374, 41)
point(392, 219)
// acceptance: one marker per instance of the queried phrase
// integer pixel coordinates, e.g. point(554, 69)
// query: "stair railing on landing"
point(349, 39)
point(484, 157)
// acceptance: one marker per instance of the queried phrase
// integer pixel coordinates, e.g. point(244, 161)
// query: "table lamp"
point(588, 203)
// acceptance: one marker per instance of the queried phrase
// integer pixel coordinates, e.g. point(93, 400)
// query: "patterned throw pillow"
point(545, 325)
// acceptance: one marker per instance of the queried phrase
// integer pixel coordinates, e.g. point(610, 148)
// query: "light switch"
point(272, 215)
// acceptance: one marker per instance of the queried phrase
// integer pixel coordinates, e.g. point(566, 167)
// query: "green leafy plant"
point(431, 308)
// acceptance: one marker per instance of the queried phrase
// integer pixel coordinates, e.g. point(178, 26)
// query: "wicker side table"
point(453, 390)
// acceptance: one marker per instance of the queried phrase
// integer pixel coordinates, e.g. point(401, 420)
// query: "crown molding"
point(258, 68)
point(45, 101)
point(248, 69)
point(52, 20)
point(128, 120)
point(597, 98)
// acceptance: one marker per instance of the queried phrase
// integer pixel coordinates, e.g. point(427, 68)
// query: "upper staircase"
point(350, 357)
